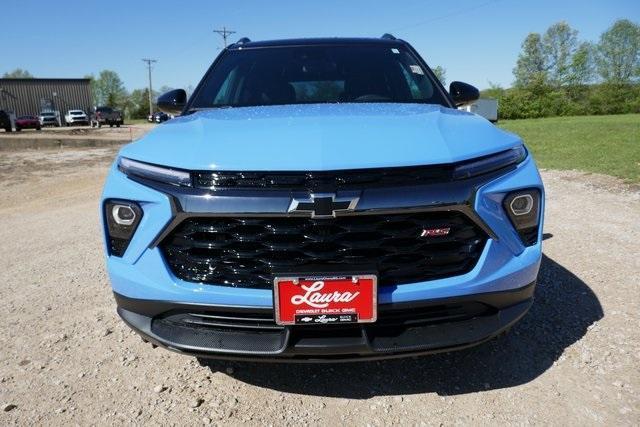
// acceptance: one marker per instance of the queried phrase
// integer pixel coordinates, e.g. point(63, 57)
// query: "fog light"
point(123, 214)
point(521, 205)
point(122, 219)
point(523, 209)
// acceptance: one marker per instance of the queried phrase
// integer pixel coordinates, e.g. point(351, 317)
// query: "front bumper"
point(406, 329)
point(147, 291)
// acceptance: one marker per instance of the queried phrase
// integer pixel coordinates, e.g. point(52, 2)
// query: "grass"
point(602, 144)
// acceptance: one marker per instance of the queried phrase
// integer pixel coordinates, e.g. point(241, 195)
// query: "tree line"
point(556, 74)
point(108, 89)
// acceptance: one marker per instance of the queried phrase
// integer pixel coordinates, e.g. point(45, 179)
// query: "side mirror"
point(463, 93)
point(173, 102)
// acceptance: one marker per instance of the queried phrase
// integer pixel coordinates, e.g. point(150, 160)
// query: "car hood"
point(319, 137)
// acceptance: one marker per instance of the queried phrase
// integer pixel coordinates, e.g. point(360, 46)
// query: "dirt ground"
point(66, 358)
point(124, 133)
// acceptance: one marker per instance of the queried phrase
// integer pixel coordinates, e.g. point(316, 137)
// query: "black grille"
point(248, 252)
point(325, 180)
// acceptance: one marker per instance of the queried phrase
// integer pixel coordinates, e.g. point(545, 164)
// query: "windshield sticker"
point(394, 50)
point(416, 69)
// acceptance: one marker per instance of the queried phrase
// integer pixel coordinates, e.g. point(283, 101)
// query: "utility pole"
point(224, 33)
point(150, 62)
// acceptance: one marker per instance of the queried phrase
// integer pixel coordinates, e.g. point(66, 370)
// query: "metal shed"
point(31, 96)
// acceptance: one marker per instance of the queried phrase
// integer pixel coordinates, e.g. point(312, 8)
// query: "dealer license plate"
point(325, 300)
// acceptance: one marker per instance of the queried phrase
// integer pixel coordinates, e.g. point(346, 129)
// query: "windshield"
point(76, 113)
point(317, 74)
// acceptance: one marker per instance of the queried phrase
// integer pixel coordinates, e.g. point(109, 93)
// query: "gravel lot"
point(67, 359)
point(124, 132)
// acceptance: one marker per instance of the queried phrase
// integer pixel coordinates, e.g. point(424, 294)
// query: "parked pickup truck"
point(106, 116)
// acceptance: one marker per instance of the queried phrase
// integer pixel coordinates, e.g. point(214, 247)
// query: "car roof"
point(317, 42)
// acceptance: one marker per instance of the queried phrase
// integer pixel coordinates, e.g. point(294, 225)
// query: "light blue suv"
point(322, 200)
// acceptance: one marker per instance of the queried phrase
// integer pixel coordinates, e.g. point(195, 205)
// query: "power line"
point(224, 33)
point(150, 62)
point(460, 13)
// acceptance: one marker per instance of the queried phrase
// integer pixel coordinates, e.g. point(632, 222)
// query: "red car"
point(27, 122)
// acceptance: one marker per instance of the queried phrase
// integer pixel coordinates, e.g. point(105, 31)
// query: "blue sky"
point(475, 41)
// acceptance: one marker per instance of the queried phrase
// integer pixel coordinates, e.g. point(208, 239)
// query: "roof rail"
point(243, 40)
point(388, 36)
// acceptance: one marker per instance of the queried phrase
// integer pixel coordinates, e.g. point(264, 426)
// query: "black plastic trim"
point(509, 306)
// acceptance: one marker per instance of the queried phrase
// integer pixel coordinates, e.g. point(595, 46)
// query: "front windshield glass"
point(317, 74)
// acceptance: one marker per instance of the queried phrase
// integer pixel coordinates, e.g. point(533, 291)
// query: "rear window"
point(317, 74)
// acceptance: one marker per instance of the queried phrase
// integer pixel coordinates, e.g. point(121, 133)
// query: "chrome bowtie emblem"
point(324, 205)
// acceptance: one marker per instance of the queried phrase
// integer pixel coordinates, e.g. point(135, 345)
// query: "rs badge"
point(435, 232)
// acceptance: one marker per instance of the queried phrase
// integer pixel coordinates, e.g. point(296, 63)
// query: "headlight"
point(490, 163)
point(154, 173)
point(122, 219)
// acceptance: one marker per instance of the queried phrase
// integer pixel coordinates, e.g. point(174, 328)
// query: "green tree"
point(531, 66)
point(582, 65)
point(618, 53)
point(94, 88)
point(559, 45)
point(109, 90)
point(18, 73)
point(139, 103)
point(441, 74)
point(495, 91)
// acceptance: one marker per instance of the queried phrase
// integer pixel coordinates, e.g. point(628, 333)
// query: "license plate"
point(325, 300)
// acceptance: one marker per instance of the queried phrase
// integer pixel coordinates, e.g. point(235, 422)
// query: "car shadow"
point(564, 308)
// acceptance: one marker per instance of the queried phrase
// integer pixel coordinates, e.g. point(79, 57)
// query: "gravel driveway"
point(67, 358)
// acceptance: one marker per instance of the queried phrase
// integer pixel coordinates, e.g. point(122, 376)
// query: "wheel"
point(38, 128)
point(110, 125)
point(118, 125)
point(99, 125)
point(8, 129)
point(67, 124)
point(18, 129)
